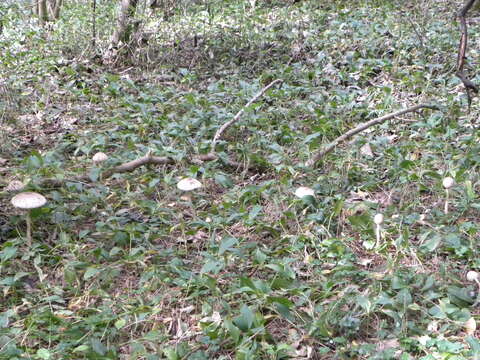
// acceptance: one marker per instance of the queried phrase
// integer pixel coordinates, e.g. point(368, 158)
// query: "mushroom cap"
point(304, 191)
point(99, 157)
point(378, 219)
point(188, 184)
point(14, 185)
point(28, 200)
point(472, 276)
point(448, 182)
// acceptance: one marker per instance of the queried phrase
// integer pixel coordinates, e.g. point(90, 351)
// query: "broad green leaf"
point(254, 212)
point(232, 330)
point(8, 253)
point(245, 320)
point(226, 244)
point(224, 181)
point(91, 272)
point(212, 266)
point(44, 354)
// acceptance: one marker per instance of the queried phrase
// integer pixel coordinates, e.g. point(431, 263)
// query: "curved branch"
point(462, 49)
point(225, 126)
point(317, 156)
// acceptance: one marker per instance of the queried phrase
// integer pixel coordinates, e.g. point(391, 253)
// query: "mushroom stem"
point(445, 210)
point(378, 220)
point(378, 234)
point(477, 300)
point(29, 229)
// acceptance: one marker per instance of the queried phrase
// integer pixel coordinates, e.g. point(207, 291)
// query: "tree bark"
point(42, 11)
point(125, 24)
point(56, 9)
point(35, 7)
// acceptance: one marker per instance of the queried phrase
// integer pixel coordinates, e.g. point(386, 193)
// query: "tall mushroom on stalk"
point(188, 185)
point(378, 220)
point(28, 201)
point(447, 183)
point(98, 159)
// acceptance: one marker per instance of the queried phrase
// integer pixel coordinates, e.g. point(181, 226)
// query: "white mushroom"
point(473, 276)
point(99, 157)
point(378, 220)
point(304, 191)
point(447, 183)
point(189, 184)
point(28, 201)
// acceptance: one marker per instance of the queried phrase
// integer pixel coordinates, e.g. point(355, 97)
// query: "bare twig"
point(318, 155)
point(225, 126)
point(462, 48)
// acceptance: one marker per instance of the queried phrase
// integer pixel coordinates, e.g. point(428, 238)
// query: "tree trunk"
point(35, 7)
point(125, 24)
point(42, 11)
point(56, 9)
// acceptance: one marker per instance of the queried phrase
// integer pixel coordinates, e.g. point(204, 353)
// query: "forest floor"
point(127, 266)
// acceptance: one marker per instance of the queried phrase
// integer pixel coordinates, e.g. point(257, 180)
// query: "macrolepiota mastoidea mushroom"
point(447, 183)
point(28, 201)
point(306, 194)
point(378, 220)
point(99, 157)
point(188, 185)
point(474, 276)
point(304, 191)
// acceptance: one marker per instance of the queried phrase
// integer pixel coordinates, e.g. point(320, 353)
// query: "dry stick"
point(462, 48)
point(225, 126)
point(317, 156)
point(132, 165)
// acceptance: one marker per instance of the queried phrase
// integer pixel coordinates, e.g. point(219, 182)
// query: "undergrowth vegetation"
point(129, 267)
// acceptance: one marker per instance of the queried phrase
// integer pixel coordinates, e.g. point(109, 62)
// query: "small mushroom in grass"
point(448, 182)
point(304, 191)
point(307, 195)
point(473, 276)
point(28, 201)
point(99, 157)
point(378, 220)
point(187, 185)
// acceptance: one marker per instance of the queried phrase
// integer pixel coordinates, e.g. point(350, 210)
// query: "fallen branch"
point(134, 164)
point(149, 159)
point(225, 126)
point(321, 153)
point(462, 49)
